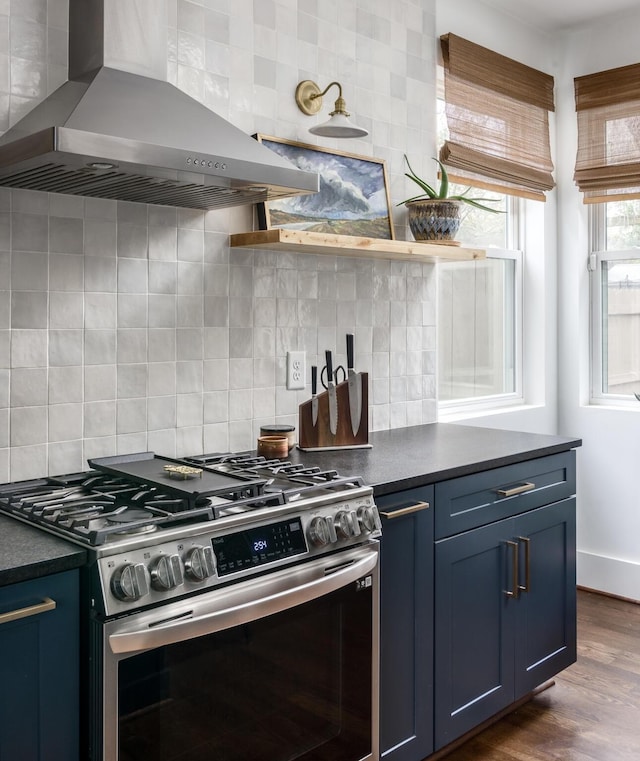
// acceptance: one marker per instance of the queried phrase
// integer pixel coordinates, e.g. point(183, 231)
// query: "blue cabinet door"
point(493, 647)
point(474, 628)
point(39, 667)
point(546, 623)
point(406, 625)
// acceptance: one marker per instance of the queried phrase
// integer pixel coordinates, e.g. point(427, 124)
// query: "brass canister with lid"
point(288, 431)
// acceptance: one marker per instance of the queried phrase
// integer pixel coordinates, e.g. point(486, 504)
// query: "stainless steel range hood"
point(117, 129)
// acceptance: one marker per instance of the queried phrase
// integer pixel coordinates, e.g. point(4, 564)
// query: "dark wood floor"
point(592, 713)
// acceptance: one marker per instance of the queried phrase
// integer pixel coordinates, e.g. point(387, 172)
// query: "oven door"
point(283, 667)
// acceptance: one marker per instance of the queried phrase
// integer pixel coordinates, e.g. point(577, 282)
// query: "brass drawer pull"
point(527, 563)
point(406, 510)
point(515, 584)
point(30, 610)
point(528, 486)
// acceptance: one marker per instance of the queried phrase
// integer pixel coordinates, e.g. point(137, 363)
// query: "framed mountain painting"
point(353, 198)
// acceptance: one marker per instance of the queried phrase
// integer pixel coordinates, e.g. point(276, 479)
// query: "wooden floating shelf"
point(305, 242)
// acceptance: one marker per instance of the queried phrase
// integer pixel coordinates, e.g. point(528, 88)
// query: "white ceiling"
point(561, 14)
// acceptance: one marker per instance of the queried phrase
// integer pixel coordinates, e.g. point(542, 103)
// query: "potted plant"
point(434, 215)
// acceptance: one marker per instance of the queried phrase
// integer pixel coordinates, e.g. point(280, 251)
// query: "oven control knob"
point(129, 582)
point(321, 532)
point(200, 563)
point(166, 572)
point(367, 518)
point(357, 529)
point(344, 525)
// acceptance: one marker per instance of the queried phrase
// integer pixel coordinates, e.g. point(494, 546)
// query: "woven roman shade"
point(608, 157)
point(498, 119)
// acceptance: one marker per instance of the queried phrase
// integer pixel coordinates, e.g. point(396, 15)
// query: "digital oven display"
point(256, 546)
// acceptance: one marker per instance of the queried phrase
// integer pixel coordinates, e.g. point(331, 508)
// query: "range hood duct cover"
point(117, 129)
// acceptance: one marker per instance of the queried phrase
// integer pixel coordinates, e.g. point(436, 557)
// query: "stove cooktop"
point(142, 493)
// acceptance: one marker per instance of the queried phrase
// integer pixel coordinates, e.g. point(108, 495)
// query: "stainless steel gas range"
point(230, 606)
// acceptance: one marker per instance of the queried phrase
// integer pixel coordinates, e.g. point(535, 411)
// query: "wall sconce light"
point(309, 100)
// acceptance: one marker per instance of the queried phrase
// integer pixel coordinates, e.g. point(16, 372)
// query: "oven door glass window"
point(296, 685)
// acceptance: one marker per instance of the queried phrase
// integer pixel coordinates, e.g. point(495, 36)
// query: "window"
point(480, 307)
point(615, 300)
point(479, 318)
point(493, 119)
point(607, 171)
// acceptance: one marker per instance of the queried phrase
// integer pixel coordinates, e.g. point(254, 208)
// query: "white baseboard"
point(610, 575)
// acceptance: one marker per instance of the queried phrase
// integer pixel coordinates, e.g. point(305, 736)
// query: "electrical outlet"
point(296, 370)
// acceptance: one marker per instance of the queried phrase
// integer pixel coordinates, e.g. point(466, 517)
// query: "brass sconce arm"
point(309, 100)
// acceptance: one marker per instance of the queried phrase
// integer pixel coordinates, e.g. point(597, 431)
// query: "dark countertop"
point(405, 458)
point(27, 553)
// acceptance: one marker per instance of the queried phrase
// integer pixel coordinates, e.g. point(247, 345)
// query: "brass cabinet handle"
point(406, 510)
point(30, 610)
point(527, 563)
point(527, 486)
point(515, 584)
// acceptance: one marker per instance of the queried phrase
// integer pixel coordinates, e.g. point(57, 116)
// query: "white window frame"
point(598, 255)
point(479, 404)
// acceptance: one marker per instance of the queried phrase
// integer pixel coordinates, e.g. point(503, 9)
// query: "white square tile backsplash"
point(126, 327)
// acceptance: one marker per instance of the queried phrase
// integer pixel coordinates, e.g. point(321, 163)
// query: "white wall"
point(126, 327)
point(608, 515)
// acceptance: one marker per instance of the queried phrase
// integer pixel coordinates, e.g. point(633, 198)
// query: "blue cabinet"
point(406, 628)
point(505, 595)
point(39, 663)
point(545, 633)
point(474, 630)
point(477, 599)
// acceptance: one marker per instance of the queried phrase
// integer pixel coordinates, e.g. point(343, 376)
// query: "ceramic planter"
point(434, 220)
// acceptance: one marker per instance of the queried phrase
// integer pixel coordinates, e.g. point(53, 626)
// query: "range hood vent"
point(117, 129)
point(57, 178)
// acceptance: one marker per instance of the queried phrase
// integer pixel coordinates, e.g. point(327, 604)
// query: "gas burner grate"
point(79, 506)
point(80, 523)
point(260, 464)
point(294, 480)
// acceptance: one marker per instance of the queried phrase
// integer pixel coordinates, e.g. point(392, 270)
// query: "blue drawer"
point(482, 498)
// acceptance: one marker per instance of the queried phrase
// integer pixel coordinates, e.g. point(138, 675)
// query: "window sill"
point(458, 414)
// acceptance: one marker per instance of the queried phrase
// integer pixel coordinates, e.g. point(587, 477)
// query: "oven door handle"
point(246, 602)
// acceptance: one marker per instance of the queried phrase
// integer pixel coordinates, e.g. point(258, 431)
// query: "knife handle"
point(329, 362)
point(349, 351)
point(314, 379)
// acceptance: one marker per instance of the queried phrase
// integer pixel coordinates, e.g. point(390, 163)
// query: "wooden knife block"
point(319, 436)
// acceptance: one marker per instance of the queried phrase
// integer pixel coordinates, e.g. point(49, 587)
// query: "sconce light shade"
point(338, 126)
point(309, 100)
